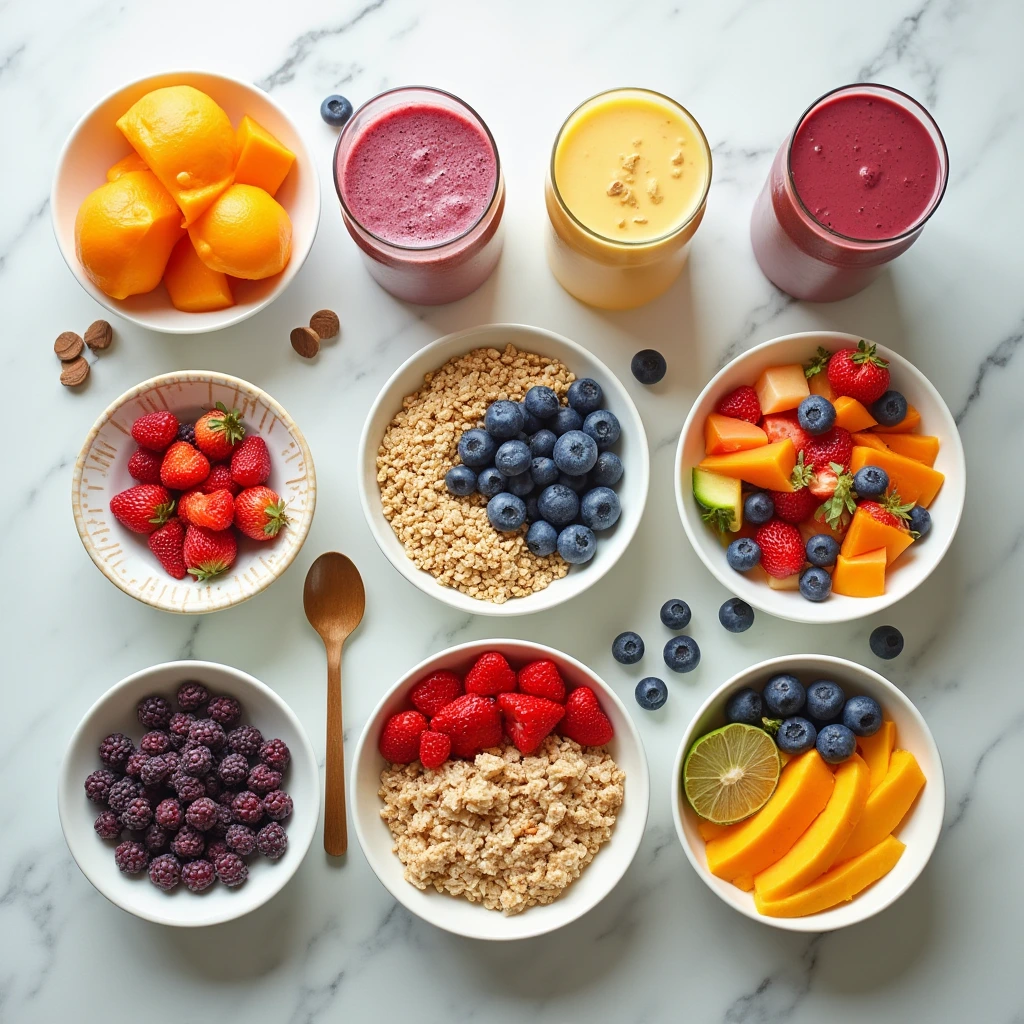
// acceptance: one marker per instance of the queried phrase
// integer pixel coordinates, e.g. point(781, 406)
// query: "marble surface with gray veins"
point(334, 945)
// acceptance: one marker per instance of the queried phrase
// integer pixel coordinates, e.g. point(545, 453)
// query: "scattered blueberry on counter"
point(736, 616)
point(651, 693)
point(682, 654)
point(648, 366)
point(336, 110)
point(886, 642)
point(675, 613)
point(628, 648)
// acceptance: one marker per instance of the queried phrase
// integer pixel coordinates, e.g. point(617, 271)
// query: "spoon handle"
point(335, 818)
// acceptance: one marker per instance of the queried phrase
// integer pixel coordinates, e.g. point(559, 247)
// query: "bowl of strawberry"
point(194, 491)
point(820, 477)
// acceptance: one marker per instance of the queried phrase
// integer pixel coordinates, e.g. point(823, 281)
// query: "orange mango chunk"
point(914, 481)
point(817, 849)
point(262, 160)
point(744, 882)
point(866, 534)
point(838, 885)
point(851, 415)
point(769, 466)
point(728, 434)
point(781, 387)
point(804, 788)
point(131, 162)
point(192, 285)
point(920, 447)
point(861, 575)
point(909, 422)
point(865, 440)
point(876, 751)
point(819, 385)
point(709, 830)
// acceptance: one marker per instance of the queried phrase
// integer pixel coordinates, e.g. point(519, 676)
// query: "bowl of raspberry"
point(189, 794)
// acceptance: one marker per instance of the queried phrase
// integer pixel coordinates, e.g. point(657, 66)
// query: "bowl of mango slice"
point(185, 202)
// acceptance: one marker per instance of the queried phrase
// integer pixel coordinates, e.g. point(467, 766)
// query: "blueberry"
point(862, 716)
point(585, 395)
point(506, 512)
point(886, 642)
point(836, 744)
point(336, 110)
point(532, 511)
point(531, 424)
point(920, 521)
point(870, 481)
point(648, 366)
point(542, 444)
point(566, 419)
point(675, 613)
point(784, 695)
point(542, 539)
point(520, 485)
point(825, 700)
point(651, 693)
point(816, 414)
point(744, 706)
point(600, 508)
point(743, 554)
point(542, 402)
point(822, 549)
point(512, 458)
point(503, 420)
point(628, 648)
point(815, 584)
point(758, 508)
point(575, 453)
point(576, 484)
point(603, 427)
point(890, 409)
point(460, 481)
point(477, 448)
point(607, 471)
point(796, 736)
point(682, 654)
point(577, 544)
point(544, 471)
point(490, 482)
point(736, 616)
point(558, 504)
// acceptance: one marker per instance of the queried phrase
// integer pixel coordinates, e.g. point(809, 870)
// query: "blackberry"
point(156, 839)
point(195, 761)
point(202, 814)
point(154, 712)
point(187, 432)
point(169, 815)
point(272, 840)
point(233, 769)
point(241, 839)
point(231, 869)
point(97, 785)
point(137, 815)
point(247, 807)
point(192, 695)
point(122, 793)
point(131, 857)
point(188, 842)
point(277, 805)
point(165, 871)
point(216, 849)
point(245, 740)
point(276, 754)
point(178, 728)
point(156, 741)
point(208, 733)
point(198, 875)
point(263, 778)
point(116, 749)
point(154, 770)
point(224, 819)
point(172, 759)
point(213, 785)
point(187, 788)
point(107, 825)
point(133, 766)
point(225, 710)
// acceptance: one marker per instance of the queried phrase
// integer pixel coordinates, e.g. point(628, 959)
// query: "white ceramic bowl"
point(915, 564)
point(631, 448)
point(115, 712)
point(101, 471)
point(471, 919)
point(95, 144)
point(919, 830)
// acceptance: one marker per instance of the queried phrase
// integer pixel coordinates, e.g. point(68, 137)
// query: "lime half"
point(730, 773)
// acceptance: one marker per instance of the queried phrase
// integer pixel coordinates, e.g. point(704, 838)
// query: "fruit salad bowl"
point(456, 914)
point(95, 144)
point(918, 830)
point(912, 566)
point(101, 471)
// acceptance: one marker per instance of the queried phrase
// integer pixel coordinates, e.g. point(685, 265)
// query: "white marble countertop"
point(334, 945)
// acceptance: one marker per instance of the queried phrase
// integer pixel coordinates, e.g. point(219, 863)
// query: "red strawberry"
point(214, 511)
point(889, 511)
point(208, 553)
point(796, 505)
point(142, 508)
point(433, 692)
point(839, 506)
point(399, 741)
point(259, 513)
point(144, 466)
point(472, 722)
point(742, 403)
point(434, 748)
point(168, 544)
point(184, 503)
point(584, 720)
point(823, 482)
point(219, 431)
point(183, 467)
point(782, 548)
point(835, 445)
point(155, 430)
point(219, 480)
point(781, 425)
point(250, 464)
point(528, 719)
point(542, 679)
point(859, 373)
point(489, 675)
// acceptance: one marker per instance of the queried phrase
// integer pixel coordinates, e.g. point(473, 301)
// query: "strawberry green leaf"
point(866, 354)
point(817, 363)
point(719, 519)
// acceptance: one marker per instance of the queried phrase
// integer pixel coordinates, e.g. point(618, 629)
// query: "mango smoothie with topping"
point(626, 191)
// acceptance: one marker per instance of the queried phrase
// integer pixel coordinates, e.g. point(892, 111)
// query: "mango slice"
point(728, 434)
point(861, 575)
point(851, 415)
point(876, 751)
point(781, 387)
point(909, 422)
point(867, 534)
point(817, 849)
point(263, 161)
point(865, 440)
point(819, 385)
point(769, 466)
point(192, 285)
point(914, 481)
point(709, 830)
point(921, 447)
point(838, 885)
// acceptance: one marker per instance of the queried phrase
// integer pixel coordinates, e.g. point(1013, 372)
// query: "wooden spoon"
point(334, 600)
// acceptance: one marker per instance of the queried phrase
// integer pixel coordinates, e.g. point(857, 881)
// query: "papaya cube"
point(728, 434)
point(781, 387)
point(912, 479)
point(192, 285)
point(262, 160)
point(866, 534)
point(860, 575)
point(819, 385)
point(851, 415)
point(909, 422)
point(919, 447)
point(769, 466)
point(876, 750)
point(865, 440)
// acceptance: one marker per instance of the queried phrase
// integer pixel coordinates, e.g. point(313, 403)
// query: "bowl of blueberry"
point(189, 794)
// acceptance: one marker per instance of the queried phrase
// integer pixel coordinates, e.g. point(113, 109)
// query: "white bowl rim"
point(642, 793)
point(295, 261)
point(300, 840)
point(862, 606)
point(422, 579)
point(936, 781)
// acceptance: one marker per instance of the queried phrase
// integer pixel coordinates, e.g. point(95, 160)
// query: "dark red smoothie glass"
point(421, 190)
point(849, 190)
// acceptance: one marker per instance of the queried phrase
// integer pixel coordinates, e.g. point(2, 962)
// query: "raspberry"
point(241, 839)
point(245, 740)
point(207, 733)
point(198, 875)
point(165, 871)
point(156, 741)
point(231, 869)
point(154, 770)
point(122, 793)
point(137, 815)
point(187, 432)
point(263, 778)
point(195, 761)
point(172, 759)
point(156, 839)
point(272, 840)
point(97, 785)
point(131, 857)
point(247, 808)
point(188, 842)
point(188, 788)
point(133, 766)
point(277, 805)
point(192, 695)
point(169, 815)
point(202, 814)
point(223, 822)
point(107, 825)
point(179, 727)
point(233, 769)
point(154, 712)
point(116, 749)
point(216, 849)
point(225, 710)
point(276, 754)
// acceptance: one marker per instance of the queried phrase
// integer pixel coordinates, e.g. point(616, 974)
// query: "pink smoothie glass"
point(849, 190)
point(421, 191)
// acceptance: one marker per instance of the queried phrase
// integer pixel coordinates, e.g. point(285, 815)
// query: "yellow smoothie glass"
point(626, 190)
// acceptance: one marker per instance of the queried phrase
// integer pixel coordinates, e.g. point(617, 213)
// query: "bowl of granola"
point(491, 842)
